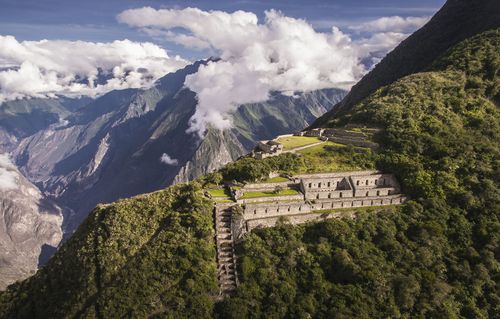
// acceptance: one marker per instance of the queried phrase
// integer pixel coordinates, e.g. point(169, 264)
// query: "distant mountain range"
point(81, 152)
point(153, 255)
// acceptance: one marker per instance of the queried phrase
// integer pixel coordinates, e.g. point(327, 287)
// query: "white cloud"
point(391, 24)
point(375, 47)
point(281, 54)
point(47, 68)
point(166, 159)
point(278, 54)
point(8, 174)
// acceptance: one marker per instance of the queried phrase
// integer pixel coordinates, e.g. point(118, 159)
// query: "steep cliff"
point(30, 225)
point(22, 118)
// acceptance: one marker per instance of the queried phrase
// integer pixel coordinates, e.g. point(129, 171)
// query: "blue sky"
point(263, 46)
point(95, 20)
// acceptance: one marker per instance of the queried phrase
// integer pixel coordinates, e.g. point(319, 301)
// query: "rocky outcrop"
point(216, 149)
point(30, 225)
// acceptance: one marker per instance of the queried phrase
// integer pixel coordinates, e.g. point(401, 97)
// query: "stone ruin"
point(347, 136)
point(327, 191)
point(320, 196)
point(268, 148)
point(341, 136)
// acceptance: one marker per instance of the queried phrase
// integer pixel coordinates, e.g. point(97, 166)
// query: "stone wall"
point(328, 194)
point(335, 132)
point(277, 209)
point(324, 191)
point(339, 174)
point(270, 199)
point(374, 180)
point(259, 187)
point(353, 141)
point(373, 192)
point(254, 211)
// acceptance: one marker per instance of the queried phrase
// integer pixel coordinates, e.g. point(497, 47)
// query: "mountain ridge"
point(454, 22)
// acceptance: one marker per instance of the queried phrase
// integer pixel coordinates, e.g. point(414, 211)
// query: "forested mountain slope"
point(436, 257)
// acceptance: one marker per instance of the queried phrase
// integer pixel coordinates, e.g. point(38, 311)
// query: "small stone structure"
point(267, 149)
point(341, 136)
point(321, 196)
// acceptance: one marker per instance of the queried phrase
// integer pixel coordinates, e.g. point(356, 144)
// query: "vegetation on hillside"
point(148, 256)
point(328, 157)
point(283, 192)
point(438, 256)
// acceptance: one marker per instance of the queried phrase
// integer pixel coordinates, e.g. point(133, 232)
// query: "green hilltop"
point(434, 257)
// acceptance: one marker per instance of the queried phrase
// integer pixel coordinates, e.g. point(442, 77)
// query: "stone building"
point(326, 187)
point(323, 191)
point(345, 185)
point(316, 132)
point(269, 148)
point(374, 185)
point(319, 197)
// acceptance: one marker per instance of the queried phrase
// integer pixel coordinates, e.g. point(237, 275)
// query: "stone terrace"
point(315, 197)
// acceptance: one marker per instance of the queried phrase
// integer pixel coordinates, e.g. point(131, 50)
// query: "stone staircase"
point(226, 263)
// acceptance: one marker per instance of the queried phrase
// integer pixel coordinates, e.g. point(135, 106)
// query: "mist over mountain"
point(112, 147)
point(131, 204)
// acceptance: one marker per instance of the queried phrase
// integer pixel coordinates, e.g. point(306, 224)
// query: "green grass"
point(277, 179)
point(334, 157)
point(292, 142)
point(318, 149)
point(285, 192)
point(228, 200)
point(218, 192)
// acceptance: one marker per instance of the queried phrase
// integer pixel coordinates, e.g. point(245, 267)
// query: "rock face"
point(112, 148)
point(30, 227)
point(22, 118)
